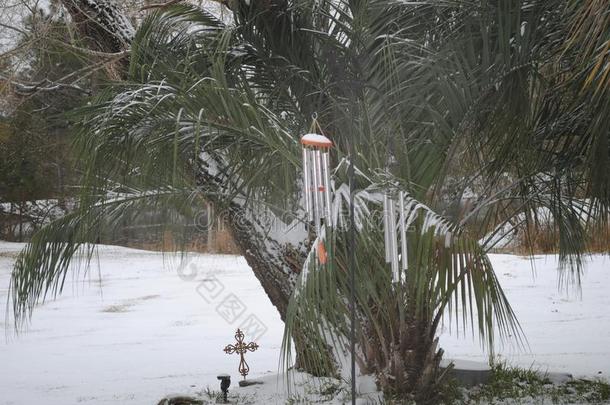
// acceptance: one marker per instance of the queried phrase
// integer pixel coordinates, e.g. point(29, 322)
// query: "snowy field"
point(140, 327)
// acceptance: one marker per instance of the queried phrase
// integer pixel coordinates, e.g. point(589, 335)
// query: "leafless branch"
point(19, 49)
point(91, 52)
point(10, 27)
point(45, 85)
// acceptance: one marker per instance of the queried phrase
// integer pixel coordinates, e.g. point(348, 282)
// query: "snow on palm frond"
point(449, 276)
point(367, 214)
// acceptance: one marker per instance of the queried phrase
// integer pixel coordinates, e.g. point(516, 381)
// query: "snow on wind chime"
point(316, 186)
point(395, 237)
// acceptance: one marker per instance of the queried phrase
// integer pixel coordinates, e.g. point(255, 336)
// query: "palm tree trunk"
point(405, 357)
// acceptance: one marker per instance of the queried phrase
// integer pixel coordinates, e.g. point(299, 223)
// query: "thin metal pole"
point(352, 268)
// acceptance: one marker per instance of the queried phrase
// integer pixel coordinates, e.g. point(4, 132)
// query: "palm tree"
point(507, 100)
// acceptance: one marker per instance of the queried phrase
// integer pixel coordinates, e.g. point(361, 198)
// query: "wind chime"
point(395, 235)
point(316, 186)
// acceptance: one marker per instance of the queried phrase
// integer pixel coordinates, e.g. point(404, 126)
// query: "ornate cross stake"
point(241, 348)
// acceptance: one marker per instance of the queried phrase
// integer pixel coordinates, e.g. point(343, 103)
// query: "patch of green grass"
point(510, 382)
point(451, 392)
point(296, 399)
point(211, 396)
point(513, 385)
point(210, 393)
point(582, 390)
point(329, 390)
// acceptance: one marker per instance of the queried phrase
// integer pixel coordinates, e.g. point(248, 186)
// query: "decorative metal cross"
point(241, 348)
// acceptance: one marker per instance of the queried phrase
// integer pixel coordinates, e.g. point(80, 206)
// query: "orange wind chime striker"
point(316, 186)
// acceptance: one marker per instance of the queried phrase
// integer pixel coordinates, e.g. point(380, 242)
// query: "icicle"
point(403, 231)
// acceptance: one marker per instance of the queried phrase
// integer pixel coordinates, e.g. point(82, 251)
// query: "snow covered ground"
point(142, 327)
point(566, 330)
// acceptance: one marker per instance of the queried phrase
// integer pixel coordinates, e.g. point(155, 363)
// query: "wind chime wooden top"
point(316, 140)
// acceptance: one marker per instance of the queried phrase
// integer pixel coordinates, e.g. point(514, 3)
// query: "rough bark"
point(405, 355)
point(275, 263)
point(105, 29)
point(276, 269)
point(101, 24)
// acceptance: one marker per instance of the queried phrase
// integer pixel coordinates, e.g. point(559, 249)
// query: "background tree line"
point(46, 72)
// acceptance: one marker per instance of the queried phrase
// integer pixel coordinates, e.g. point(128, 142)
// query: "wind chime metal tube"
point(306, 184)
point(326, 165)
point(403, 231)
point(393, 241)
point(314, 192)
point(386, 228)
point(317, 179)
point(320, 189)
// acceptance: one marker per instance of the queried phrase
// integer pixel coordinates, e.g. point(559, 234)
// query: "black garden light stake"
point(225, 383)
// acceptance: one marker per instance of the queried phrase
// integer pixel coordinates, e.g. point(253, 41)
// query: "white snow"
point(141, 333)
point(144, 331)
point(565, 331)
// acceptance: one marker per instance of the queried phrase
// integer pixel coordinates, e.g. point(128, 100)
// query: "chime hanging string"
point(315, 125)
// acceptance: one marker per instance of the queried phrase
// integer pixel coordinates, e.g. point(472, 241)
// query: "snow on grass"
point(138, 334)
point(566, 331)
point(149, 328)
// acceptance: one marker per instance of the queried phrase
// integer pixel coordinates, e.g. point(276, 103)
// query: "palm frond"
point(68, 243)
